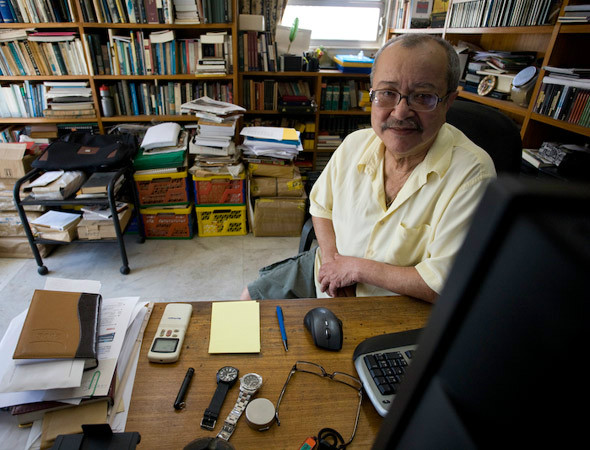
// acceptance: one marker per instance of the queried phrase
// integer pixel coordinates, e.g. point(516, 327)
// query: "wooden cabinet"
point(561, 45)
point(176, 84)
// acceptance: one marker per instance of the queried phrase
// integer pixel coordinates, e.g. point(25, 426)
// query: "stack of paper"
point(45, 390)
point(274, 142)
point(214, 143)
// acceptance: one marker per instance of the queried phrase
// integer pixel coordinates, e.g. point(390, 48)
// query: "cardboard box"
point(277, 187)
point(13, 161)
point(271, 170)
point(57, 235)
point(103, 229)
point(19, 247)
point(279, 216)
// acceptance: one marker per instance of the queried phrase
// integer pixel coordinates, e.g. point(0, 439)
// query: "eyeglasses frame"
point(407, 97)
point(331, 377)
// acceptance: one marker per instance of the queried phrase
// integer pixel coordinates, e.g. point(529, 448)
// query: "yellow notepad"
point(235, 327)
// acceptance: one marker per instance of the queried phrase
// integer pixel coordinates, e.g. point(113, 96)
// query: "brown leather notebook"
point(61, 325)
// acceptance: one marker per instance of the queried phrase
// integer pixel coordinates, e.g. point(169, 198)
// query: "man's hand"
point(337, 277)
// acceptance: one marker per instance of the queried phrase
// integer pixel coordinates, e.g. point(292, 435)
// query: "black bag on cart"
point(90, 152)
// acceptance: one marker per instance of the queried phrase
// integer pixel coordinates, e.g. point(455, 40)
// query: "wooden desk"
point(310, 402)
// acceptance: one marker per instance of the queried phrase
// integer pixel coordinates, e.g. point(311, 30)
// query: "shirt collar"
point(437, 159)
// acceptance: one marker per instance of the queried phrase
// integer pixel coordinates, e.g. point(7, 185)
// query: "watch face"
point(227, 374)
point(251, 381)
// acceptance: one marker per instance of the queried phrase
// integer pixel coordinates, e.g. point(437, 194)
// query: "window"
point(339, 23)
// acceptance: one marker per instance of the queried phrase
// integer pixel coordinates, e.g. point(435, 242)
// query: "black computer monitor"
point(503, 361)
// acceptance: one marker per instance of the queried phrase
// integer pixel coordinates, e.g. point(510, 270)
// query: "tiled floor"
point(211, 268)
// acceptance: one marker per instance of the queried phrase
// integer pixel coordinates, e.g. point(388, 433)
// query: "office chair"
point(489, 128)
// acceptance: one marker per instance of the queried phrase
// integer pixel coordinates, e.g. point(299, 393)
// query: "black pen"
point(179, 403)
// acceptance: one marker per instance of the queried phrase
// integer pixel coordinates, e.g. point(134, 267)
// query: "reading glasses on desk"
point(340, 377)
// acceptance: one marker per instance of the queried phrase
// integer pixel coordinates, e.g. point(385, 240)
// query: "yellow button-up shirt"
point(426, 223)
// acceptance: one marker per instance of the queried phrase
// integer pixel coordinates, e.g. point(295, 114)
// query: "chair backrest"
point(492, 130)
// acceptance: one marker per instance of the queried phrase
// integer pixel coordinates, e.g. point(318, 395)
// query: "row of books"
point(257, 51)
point(41, 53)
point(272, 95)
point(145, 98)
point(46, 100)
point(160, 53)
point(500, 13)
point(157, 11)
point(35, 11)
point(565, 99)
point(345, 95)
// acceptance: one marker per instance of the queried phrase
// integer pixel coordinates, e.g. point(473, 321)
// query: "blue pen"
point(282, 327)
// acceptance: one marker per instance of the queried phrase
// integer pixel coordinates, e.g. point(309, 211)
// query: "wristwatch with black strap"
point(226, 377)
point(249, 385)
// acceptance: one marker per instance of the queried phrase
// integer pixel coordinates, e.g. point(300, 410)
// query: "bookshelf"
point(557, 45)
point(119, 37)
point(323, 123)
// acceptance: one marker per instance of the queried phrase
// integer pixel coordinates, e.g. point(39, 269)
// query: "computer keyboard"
point(381, 364)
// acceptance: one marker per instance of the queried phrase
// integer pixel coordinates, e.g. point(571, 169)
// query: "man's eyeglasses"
point(340, 377)
point(418, 101)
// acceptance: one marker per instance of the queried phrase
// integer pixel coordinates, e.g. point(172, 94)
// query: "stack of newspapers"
point(42, 398)
point(213, 145)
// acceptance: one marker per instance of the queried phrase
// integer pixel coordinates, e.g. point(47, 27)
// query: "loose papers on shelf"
point(209, 105)
point(276, 142)
point(235, 327)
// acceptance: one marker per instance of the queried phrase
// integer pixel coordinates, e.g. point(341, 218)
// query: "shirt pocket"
point(410, 246)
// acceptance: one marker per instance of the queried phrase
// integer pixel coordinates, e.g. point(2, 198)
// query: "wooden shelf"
point(95, 81)
point(561, 45)
point(504, 105)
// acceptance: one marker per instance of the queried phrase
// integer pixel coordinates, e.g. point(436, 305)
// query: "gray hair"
point(413, 40)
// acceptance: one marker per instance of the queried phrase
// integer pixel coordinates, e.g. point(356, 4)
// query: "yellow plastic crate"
point(221, 220)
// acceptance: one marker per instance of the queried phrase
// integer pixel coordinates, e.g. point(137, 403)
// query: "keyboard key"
point(371, 362)
point(386, 389)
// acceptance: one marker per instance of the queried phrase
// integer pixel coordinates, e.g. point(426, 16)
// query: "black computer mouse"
point(325, 328)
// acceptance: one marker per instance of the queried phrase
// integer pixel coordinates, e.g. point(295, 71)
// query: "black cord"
point(329, 433)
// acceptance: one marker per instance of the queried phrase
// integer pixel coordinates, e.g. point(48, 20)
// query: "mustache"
point(407, 123)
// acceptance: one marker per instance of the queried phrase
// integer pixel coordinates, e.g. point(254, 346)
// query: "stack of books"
point(68, 99)
point(214, 53)
point(575, 14)
point(96, 186)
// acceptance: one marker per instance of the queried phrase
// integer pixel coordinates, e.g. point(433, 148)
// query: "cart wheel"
point(140, 240)
point(124, 270)
point(42, 270)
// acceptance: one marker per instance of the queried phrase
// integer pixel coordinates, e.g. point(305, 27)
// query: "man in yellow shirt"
point(392, 207)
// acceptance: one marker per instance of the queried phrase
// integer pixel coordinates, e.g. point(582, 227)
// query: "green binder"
point(159, 161)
